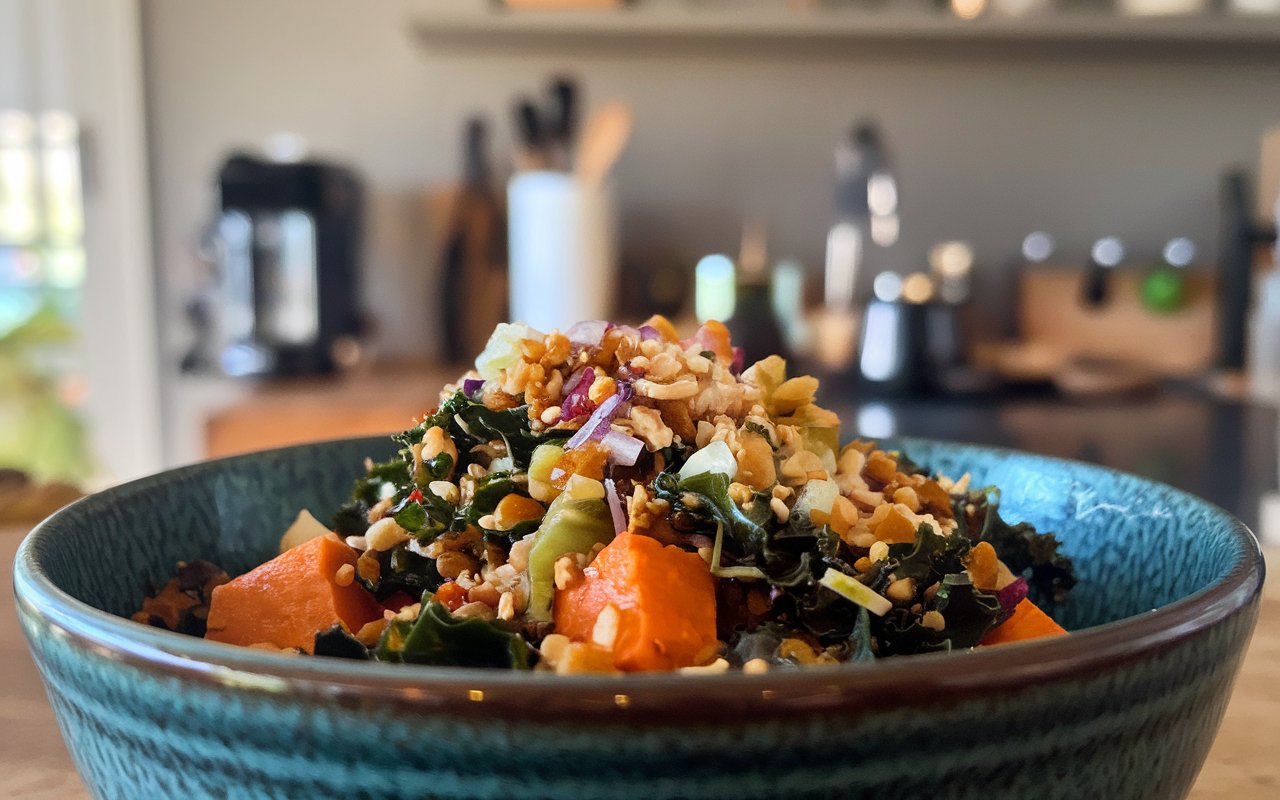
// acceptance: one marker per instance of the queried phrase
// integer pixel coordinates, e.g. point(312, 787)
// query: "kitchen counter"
point(1224, 451)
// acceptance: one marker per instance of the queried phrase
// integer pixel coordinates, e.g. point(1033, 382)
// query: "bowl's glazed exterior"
point(1125, 709)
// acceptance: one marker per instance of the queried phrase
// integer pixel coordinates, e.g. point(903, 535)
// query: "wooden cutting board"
point(1054, 322)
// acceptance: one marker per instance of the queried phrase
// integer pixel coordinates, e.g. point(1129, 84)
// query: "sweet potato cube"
point(289, 599)
point(664, 599)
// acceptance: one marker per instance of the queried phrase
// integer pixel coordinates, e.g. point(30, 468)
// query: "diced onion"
point(623, 449)
point(615, 506)
point(472, 386)
point(504, 348)
point(649, 333)
point(856, 592)
point(715, 457)
point(816, 496)
point(304, 529)
point(589, 333)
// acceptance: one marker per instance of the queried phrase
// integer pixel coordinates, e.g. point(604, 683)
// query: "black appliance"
point(286, 255)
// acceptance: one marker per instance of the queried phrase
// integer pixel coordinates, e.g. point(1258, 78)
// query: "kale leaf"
point(488, 492)
point(744, 533)
point(402, 570)
point(969, 613)
point(931, 556)
point(337, 643)
point(470, 423)
point(1036, 556)
point(368, 488)
point(438, 638)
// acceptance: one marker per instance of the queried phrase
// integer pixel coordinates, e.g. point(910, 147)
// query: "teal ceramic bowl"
point(1126, 707)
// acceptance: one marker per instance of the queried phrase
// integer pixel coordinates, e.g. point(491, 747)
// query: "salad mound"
point(618, 499)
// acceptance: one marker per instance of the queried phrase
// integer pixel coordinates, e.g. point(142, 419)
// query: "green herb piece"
point(351, 520)
point(931, 556)
point(443, 418)
point(402, 570)
point(861, 647)
point(436, 468)
point(757, 428)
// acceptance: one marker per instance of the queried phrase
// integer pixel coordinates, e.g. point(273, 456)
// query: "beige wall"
point(991, 140)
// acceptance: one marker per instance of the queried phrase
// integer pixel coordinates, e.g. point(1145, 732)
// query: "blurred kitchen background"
point(1044, 224)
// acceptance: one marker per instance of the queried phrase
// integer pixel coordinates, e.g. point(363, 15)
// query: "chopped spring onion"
point(729, 572)
point(855, 591)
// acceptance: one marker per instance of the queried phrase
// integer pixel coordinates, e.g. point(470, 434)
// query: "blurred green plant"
point(39, 433)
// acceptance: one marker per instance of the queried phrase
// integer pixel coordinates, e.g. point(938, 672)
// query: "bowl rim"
point(925, 679)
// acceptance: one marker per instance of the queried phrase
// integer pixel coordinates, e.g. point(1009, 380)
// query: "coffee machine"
point(285, 252)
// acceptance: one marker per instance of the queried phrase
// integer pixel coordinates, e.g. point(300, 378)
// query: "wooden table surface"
point(1244, 763)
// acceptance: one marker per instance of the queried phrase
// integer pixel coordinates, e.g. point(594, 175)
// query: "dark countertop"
point(1222, 450)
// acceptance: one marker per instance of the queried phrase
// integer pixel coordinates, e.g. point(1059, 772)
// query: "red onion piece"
point(597, 425)
point(576, 377)
point(1012, 594)
point(698, 540)
point(471, 386)
point(590, 333)
point(739, 359)
point(649, 333)
point(615, 506)
point(623, 449)
point(576, 402)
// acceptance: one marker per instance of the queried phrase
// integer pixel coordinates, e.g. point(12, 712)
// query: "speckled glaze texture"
point(1124, 708)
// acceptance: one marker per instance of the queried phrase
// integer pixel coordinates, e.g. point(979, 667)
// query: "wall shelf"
point(471, 24)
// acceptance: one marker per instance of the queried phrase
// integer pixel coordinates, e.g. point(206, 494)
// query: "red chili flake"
point(416, 496)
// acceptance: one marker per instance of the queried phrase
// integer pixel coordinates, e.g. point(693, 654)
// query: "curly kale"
point(438, 638)
point(1035, 556)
